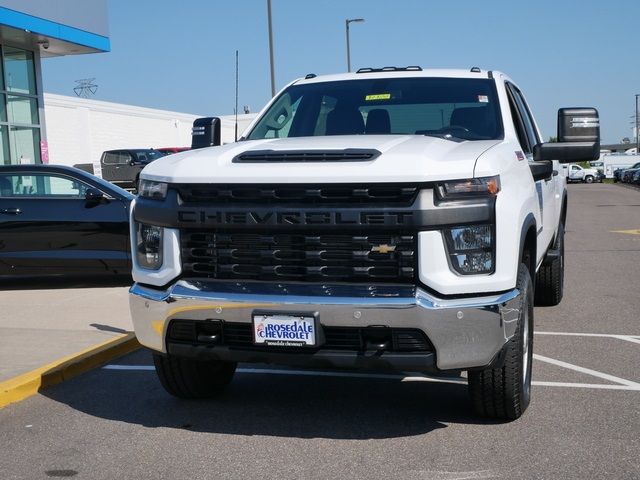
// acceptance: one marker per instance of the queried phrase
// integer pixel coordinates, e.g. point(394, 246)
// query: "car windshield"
point(455, 108)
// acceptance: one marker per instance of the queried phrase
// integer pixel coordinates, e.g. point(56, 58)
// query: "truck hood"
point(404, 158)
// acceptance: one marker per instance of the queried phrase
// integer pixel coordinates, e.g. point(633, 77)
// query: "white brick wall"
point(79, 129)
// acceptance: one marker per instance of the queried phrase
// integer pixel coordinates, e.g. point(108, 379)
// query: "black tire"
point(186, 378)
point(550, 276)
point(504, 393)
point(588, 179)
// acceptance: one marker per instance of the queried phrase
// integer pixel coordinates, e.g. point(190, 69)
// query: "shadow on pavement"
point(54, 282)
point(107, 328)
point(272, 405)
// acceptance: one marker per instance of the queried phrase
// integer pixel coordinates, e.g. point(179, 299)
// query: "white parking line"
point(628, 338)
point(588, 371)
point(629, 386)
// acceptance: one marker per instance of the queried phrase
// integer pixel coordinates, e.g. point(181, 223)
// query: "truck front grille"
point(384, 258)
point(299, 194)
point(359, 339)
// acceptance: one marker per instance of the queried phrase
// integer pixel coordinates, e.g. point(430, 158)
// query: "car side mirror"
point(578, 137)
point(94, 195)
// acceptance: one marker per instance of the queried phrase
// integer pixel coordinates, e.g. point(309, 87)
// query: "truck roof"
point(394, 72)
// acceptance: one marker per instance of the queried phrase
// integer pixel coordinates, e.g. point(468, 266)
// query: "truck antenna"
point(236, 109)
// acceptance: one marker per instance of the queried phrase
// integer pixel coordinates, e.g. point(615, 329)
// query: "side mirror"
point(94, 195)
point(578, 137)
point(206, 132)
point(541, 170)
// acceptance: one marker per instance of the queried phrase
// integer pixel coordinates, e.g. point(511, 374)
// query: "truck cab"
point(123, 167)
point(396, 218)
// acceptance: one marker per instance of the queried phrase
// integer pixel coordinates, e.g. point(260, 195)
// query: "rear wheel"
point(505, 392)
point(550, 276)
point(186, 378)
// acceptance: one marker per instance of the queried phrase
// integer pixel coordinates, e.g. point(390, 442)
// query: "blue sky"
point(180, 55)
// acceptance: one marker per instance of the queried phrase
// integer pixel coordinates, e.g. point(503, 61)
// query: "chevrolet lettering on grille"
point(203, 217)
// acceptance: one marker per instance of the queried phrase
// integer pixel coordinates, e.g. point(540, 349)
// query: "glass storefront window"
point(5, 159)
point(22, 110)
point(3, 108)
point(19, 114)
point(25, 145)
point(20, 75)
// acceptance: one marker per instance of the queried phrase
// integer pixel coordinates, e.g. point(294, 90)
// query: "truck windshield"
point(460, 108)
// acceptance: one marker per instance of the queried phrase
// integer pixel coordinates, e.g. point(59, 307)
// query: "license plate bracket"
point(285, 329)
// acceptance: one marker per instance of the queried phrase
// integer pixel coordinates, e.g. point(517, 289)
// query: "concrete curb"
point(30, 383)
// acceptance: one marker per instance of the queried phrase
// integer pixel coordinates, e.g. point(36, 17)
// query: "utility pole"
point(637, 124)
point(273, 76)
point(347, 22)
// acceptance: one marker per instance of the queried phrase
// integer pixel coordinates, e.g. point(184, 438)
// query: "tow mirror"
point(205, 132)
point(578, 137)
point(541, 170)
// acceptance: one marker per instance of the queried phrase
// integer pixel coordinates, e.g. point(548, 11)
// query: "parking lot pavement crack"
point(588, 371)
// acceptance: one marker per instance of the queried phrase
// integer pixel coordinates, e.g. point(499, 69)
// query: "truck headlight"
point(471, 249)
point(153, 190)
point(472, 187)
point(149, 246)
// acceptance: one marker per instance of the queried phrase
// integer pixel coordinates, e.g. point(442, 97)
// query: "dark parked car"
point(57, 220)
point(626, 174)
point(123, 167)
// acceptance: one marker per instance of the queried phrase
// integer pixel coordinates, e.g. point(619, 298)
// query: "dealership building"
point(30, 31)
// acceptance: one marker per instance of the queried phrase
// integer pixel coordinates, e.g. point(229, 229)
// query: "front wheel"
point(186, 378)
point(588, 179)
point(504, 393)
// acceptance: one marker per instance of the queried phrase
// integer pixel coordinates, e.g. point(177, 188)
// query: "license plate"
point(284, 330)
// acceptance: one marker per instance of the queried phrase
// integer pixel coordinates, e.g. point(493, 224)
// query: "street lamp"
point(273, 76)
point(347, 22)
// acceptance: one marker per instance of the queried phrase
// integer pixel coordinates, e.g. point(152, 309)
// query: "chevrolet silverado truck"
point(393, 218)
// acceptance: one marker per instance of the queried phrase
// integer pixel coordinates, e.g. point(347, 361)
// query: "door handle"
point(11, 211)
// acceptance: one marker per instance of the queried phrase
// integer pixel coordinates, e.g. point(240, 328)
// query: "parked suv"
point(123, 167)
point(391, 218)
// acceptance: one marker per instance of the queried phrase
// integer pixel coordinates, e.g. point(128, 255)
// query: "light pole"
point(637, 132)
point(273, 81)
point(347, 22)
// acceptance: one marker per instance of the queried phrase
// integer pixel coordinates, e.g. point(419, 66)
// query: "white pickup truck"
point(392, 218)
point(575, 173)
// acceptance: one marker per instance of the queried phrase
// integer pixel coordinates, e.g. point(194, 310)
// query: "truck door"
point(575, 173)
point(108, 164)
point(547, 189)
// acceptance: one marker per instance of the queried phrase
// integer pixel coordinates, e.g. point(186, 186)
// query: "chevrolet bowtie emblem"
point(383, 248)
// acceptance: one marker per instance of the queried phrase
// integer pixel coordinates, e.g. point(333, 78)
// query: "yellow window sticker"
point(378, 96)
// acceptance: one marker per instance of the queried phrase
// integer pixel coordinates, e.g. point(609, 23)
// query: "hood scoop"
point(307, 156)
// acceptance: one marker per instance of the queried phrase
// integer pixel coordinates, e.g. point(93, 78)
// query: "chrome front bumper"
point(466, 332)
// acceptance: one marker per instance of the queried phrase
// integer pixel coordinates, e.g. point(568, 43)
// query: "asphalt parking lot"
point(583, 422)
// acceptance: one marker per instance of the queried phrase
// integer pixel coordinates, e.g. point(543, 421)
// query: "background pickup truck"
point(575, 173)
point(123, 167)
point(385, 219)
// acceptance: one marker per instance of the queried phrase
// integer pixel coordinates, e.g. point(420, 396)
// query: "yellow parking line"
point(630, 232)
